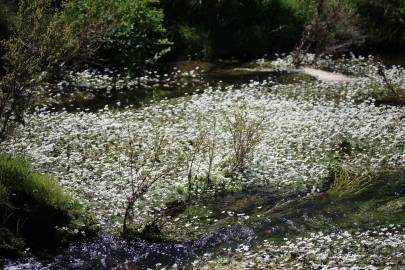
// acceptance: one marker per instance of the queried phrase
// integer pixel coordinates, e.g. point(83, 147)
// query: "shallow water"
point(111, 252)
point(246, 218)
point(218, 76)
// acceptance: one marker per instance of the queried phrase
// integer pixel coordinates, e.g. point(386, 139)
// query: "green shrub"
point(50, 38)
point(33, 207)
point(131, 31)
point(193, 40)
point(140, 38)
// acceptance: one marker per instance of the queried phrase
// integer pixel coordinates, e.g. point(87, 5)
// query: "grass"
point(34, 210)
point(346, 181)
point(365, 185)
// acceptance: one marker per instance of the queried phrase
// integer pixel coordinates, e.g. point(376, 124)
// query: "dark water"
point(391, 59)
point(274, 215)
point(78, 98)
point(112, 252)
point(158, 87)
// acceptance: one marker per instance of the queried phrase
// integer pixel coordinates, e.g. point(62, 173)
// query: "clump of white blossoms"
point(303, 129)
point(382, 248)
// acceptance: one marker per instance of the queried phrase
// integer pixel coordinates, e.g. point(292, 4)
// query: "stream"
point(246, 217)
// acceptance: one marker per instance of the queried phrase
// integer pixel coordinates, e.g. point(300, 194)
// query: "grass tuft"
point(35, 211)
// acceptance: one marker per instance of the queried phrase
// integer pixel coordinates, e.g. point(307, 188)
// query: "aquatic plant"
point(382, 247)
point(303, 127)
point(246, 135)
point(143, 161)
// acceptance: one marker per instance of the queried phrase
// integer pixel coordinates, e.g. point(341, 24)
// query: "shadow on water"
point(238, 75)
point(111, 252)
point(391, 59)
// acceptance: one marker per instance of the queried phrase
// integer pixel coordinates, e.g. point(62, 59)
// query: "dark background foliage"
point(232, 28)
point(215, 28)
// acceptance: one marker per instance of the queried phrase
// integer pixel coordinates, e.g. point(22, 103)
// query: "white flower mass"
point(304, 127)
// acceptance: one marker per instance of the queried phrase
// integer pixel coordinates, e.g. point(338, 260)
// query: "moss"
point(34, 208)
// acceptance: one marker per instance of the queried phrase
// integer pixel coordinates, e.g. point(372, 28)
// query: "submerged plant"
point(143, 162)
point(294, 151)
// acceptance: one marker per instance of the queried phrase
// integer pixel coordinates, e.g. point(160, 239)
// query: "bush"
point(332, 29)
point(246, 135)
point(7, 17)
point(140, 38)
point(124, 32)
point(33, 206)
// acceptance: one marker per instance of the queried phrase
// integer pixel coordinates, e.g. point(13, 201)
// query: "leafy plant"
point(246, 135)
point(139, 38)
point(233, 28)
point(48, 38)
point(384, 22)
point(144, 161)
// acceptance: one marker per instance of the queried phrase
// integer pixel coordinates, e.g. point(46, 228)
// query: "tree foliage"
point(384, 21)
point(49, 36)
point(333, 28)
point(233, 28)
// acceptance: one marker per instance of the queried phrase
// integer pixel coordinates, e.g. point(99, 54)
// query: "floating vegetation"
point(381, 248)
point(307, 129)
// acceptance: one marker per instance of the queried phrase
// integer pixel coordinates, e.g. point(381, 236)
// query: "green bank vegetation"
point(35, 213)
